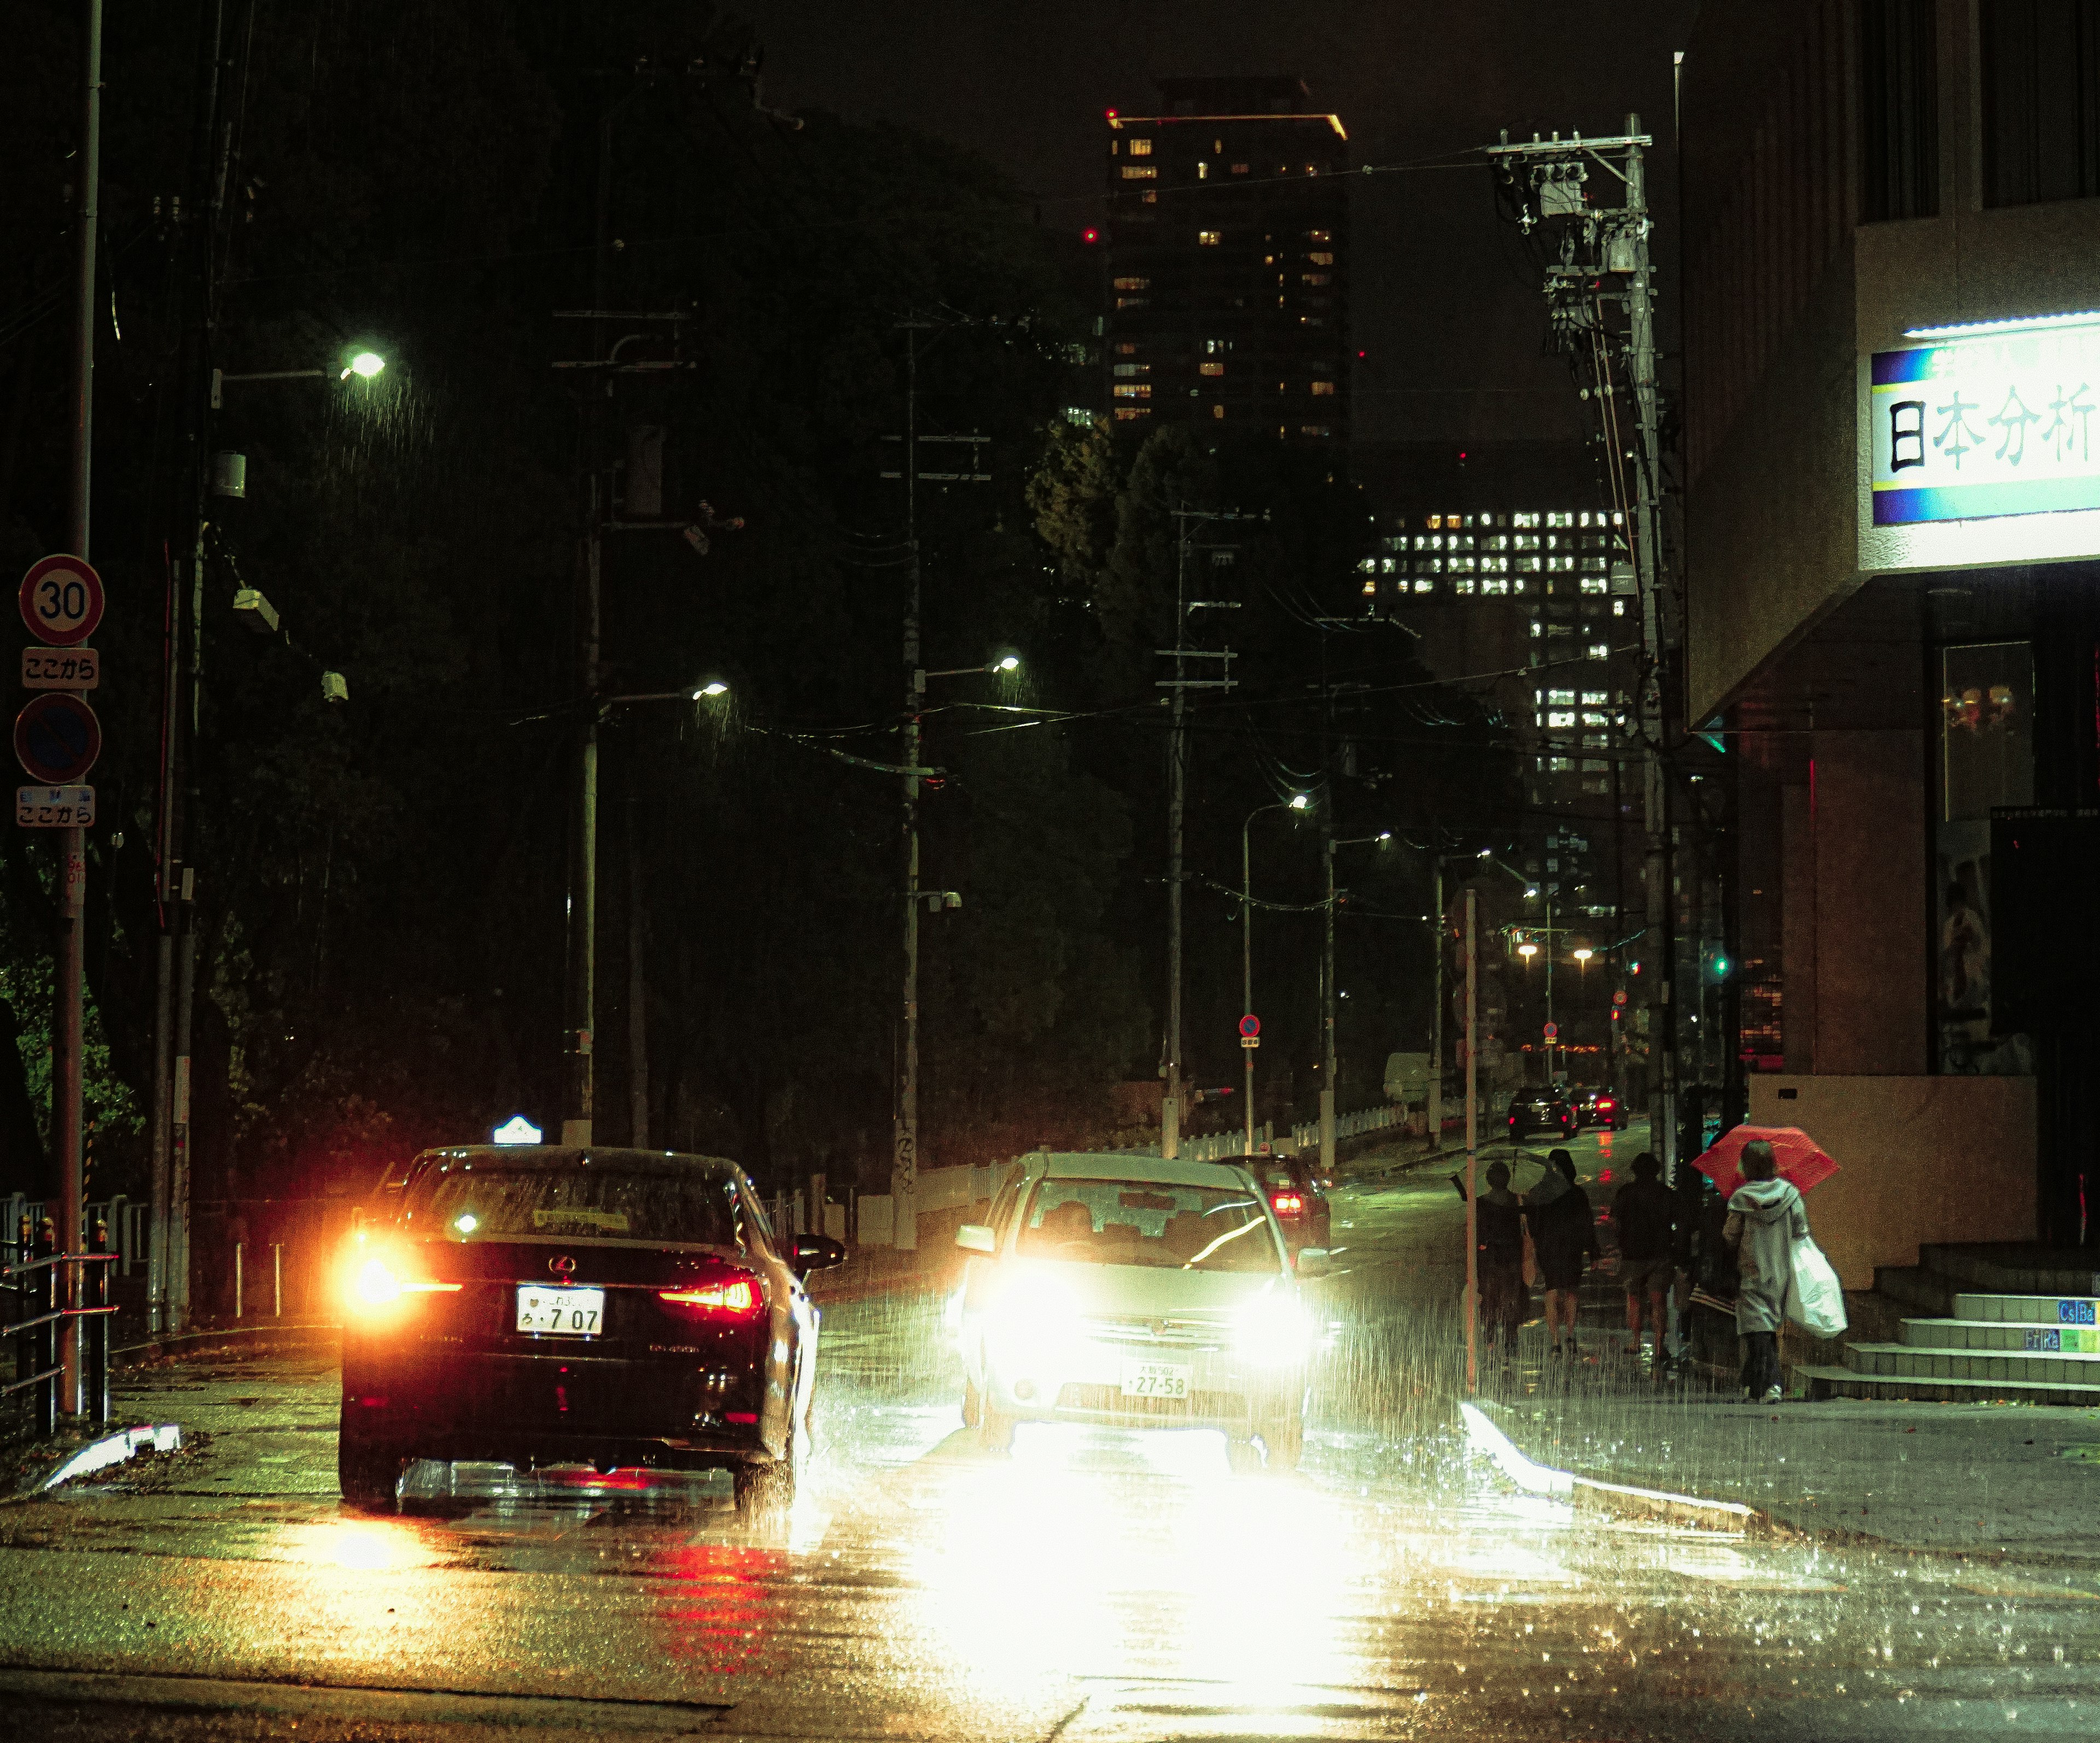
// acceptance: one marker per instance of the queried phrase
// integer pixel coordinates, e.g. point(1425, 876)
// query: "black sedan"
point(1541, 1111)
point(544, 1305)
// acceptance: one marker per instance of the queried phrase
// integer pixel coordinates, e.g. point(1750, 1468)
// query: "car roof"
point(550, 1158)
point(1137, 1165)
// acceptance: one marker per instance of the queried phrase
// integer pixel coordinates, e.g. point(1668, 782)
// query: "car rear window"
point(1149, 1222)
point(463, 1200)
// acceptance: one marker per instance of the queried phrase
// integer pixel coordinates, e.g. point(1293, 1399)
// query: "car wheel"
point(972, 1404)
point(369, 1472)
point(994, 1428)
point(1283, 1440)
point(765, 1492)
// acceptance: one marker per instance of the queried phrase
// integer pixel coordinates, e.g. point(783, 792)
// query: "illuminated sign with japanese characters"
point(1984, 426)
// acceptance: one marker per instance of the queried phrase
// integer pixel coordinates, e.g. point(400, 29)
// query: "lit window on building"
point(1593, 565)
point(1370, 590)
point(1432, 523)
point(1133, 369)
point(1127, 413)
point(1560, 520)
point(1595, 698)
point(1463, 542)
point(1209, 238)
point(1423, 584)
point(1217, 410)
point(1141, 148)
point(1618, 608)
point(1564, 698)
point(1499, 542)
point(1495, 565)
point(1595, 583)
point(1150, 197)
point(1464, 583)
point(1321, 258)
point(1600, 650)
point(1559, 718)
point(1133, 302)
point(1560, 765)
point(1315, 278)
point(1525, 520)
point(1494, 583)
point(1389, 565)
point(1559, 565)
point(1210, 368)
point(1369, 566)
point(1321, 389)
point(1429, 565)
point(1202, 172)
point(1126, 347)
point(1314, 429)
point(1319, 235)
point(1536, 627)
point(1525, 541)
point(1133, 284)
point(1239, 168)
point(1079, 415)
point(1462, 565)
point(1133, 390)
point(1140, 172)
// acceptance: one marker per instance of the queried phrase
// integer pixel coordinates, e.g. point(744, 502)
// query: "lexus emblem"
point(562, 1265)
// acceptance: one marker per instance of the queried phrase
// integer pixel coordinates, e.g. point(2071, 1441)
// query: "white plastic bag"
point(1815, 1298)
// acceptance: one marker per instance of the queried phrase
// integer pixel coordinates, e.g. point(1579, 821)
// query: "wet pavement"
point(1095, 1585)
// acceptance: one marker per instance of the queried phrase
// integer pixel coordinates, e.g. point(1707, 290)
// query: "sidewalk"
point(1968, 1479)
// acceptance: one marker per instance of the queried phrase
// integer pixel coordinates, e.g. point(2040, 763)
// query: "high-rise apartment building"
point(1227, 249)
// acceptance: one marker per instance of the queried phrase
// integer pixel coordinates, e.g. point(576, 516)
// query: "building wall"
point(1919, 1159)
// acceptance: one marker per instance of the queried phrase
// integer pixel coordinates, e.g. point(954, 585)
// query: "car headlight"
point(1274, 1331)
point(1035, 1320)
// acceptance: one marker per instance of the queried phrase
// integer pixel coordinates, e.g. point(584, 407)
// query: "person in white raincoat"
point(1766, 1217)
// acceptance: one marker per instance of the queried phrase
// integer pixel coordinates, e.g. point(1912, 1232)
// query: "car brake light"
point(724, 1295)
point(1287, 1203)
point(377, 1282)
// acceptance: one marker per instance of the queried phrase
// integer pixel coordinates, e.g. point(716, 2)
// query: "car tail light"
point(383, 1279)
point(726, 1297)
point(1288, 1203)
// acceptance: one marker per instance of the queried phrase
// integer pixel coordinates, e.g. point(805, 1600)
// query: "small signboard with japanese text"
point(61, 668)
point(55, 807)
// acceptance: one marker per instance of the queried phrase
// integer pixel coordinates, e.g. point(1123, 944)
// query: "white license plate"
point(1156, 1379)
point(566, 1312)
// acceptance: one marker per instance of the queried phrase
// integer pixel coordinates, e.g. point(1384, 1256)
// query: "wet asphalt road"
point(1095, 1585)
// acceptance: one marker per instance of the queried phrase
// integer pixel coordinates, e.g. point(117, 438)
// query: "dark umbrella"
point(1801, 1159)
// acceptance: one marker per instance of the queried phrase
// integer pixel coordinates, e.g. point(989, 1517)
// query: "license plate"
point(1156, 1379)
point(564, 1313)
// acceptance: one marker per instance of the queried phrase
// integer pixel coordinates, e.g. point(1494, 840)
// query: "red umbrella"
point(1801, 1160)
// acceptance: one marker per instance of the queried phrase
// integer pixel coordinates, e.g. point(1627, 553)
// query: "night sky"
point(1444, 304)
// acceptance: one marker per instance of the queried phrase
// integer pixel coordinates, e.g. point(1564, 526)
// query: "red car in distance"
point(1601, 1107)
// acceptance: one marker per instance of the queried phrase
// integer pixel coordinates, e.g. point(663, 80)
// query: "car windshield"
point(463, 1200)
point(1150, 1223)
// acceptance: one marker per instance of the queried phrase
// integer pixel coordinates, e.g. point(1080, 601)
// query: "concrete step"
point(1849, 1383)
point(2016, 1270)
point(2000, 1335)
point(1911, 1361)
point(1914, 1289)
point(2029, 1310)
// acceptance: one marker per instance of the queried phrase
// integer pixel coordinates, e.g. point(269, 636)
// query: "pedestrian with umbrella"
point(1765, 1218)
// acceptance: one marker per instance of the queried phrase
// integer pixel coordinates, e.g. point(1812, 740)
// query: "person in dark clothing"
point(1645, 1212)
point(1564, 1232)
point(1499, 1219)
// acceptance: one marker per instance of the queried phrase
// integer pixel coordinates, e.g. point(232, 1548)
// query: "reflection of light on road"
point(1102, 1552)
point(366, 1546)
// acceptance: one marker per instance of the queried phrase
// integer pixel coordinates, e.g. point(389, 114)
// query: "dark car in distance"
point(1298, 1195)
point(1600, 1107)
point(545, 1305)
point(1541, 1111)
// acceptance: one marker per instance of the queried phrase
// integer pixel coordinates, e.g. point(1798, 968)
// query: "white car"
point(1128, 1292)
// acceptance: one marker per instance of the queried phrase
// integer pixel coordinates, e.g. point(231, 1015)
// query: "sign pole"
point(72, 842)
point(1472, 1136)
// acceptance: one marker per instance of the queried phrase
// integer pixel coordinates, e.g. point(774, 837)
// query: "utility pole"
point(1177, 795)
point(1604, 260)
point(72, 843)
point(1328, 843)
point(1437, 992)
point(1472, 1136)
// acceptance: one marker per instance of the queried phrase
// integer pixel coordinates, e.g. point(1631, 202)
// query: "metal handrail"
point(56, 1259)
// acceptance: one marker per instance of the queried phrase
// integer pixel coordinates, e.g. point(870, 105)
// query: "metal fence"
point(45, 1288)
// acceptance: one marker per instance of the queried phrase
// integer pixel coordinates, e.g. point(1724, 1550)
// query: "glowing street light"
point(1527, 950)
point(1583, 953)
point(1011, 662)
point(1299, 802)
point(364, 365)
point(712, 687)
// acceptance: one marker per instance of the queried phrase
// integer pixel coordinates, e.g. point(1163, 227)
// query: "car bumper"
point(571, 1408)
point(1084, 1384)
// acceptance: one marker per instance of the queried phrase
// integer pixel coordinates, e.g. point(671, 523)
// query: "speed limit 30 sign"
point(62, 601)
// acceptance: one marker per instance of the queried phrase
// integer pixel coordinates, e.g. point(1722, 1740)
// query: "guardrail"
point(49, 1288)
point(126, 1219)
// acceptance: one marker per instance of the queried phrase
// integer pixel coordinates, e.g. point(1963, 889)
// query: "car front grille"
point(1130, 1332)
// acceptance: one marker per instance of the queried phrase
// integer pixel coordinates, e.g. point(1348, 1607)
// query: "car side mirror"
point(1312, 1261)
point(976, 1237)
point(814, 1252)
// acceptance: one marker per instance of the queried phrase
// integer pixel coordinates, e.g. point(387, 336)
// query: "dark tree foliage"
point(383, 882)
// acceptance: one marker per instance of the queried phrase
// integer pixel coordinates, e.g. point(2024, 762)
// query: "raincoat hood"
point(1554, 1186)
point(1763, 1201)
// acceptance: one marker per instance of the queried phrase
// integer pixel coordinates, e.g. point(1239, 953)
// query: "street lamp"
point(1527, 950)
point(1295, 802)
point(364, 365)
point(1327, 1000)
